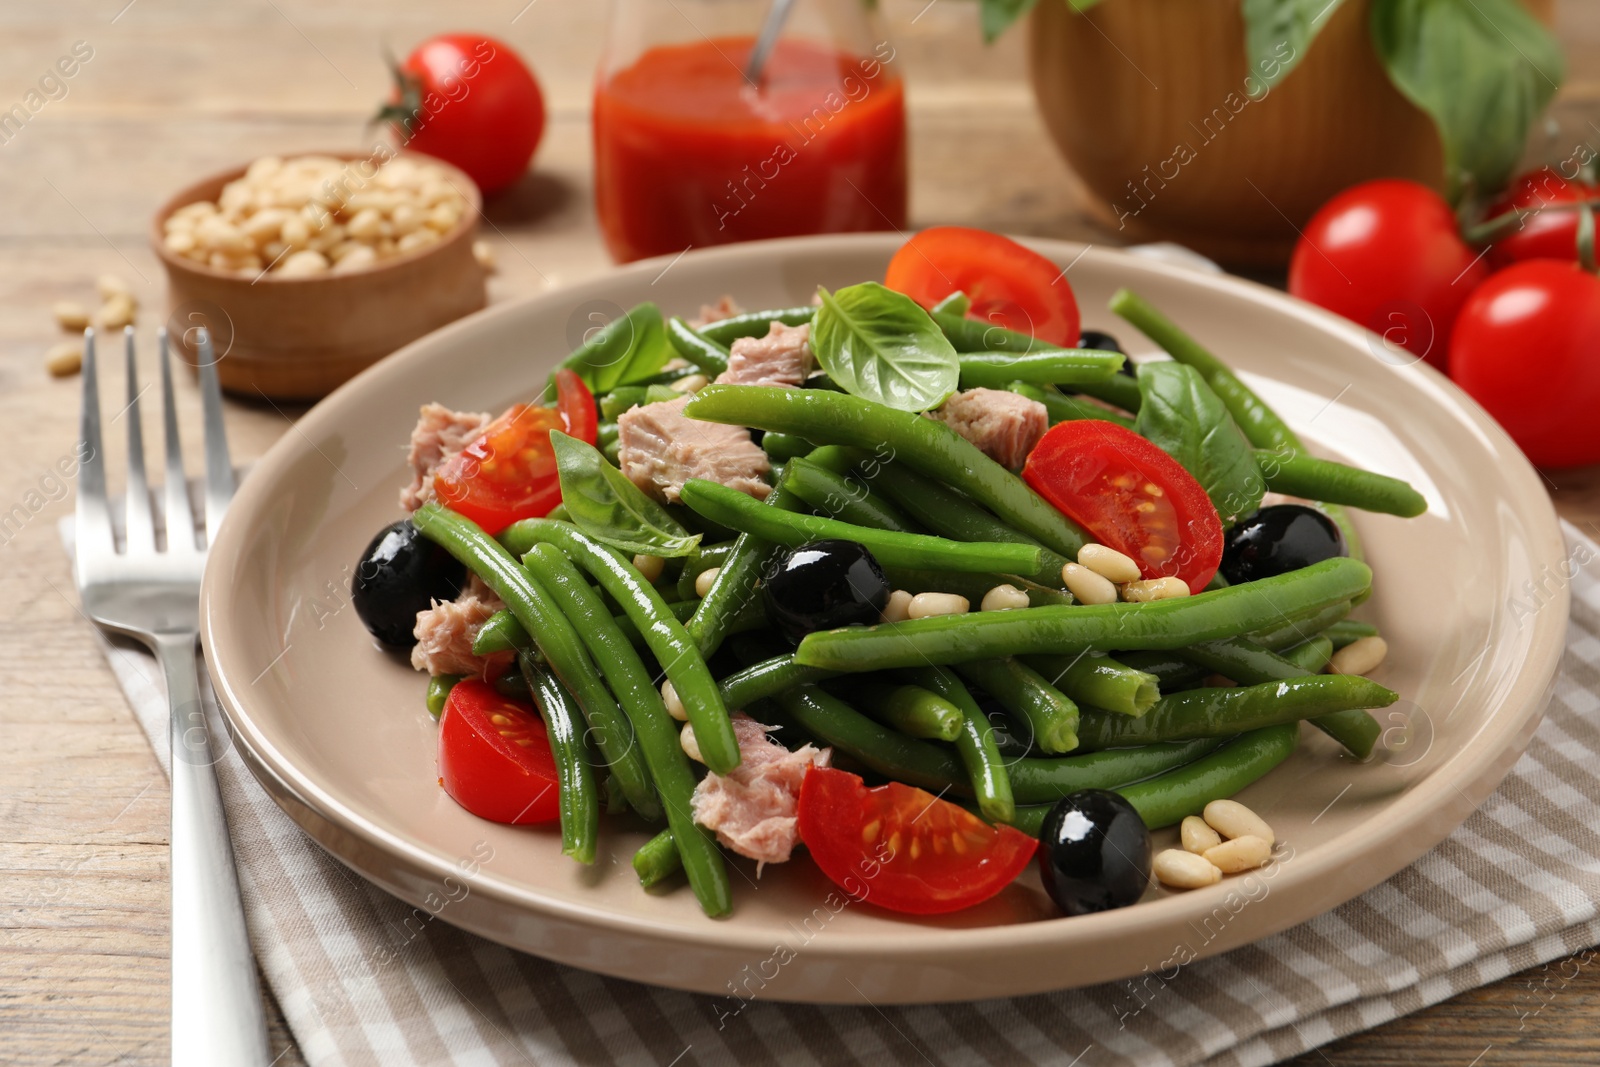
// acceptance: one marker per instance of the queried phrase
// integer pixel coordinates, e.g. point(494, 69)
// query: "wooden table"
point(179, 88)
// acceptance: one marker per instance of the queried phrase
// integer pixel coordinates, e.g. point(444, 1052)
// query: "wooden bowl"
point(300, 338)
point(1127, 86)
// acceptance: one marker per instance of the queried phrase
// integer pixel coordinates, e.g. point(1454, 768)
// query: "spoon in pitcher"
point(771, 30)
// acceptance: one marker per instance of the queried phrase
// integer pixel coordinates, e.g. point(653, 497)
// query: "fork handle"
point(216, 1006)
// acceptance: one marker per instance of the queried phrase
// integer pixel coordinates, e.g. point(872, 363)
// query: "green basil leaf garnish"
point(603, 503)
point(881, 345)
point(1179, 412)
point(629, 348)
point(1277, 34)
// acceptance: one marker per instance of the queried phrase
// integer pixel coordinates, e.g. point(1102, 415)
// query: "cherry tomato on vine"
point(1388, 255)
point(494, 756)
point(470, 101)
point(1549, 233)
point(1524, 348)
point(1009, 285)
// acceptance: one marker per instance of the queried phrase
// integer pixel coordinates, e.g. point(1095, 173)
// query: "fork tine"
point(138, 524)
point(180, 512)
point(93, 533)
point(219, 467)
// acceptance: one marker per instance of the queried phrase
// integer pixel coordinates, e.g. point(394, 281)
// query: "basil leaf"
point(1276, 36)
point(996, 16)
point(1179, 412)
point(881, 345)
point(1482, 69)
point(603, 503)
point(630, 347)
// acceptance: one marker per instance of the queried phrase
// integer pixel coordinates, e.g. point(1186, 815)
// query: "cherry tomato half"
point(494, 756)
point(1387, 255)
point(904, 849)
point(579, 417)
point(1009, 285)
point(1546, 234)
point(1131, 496)
point(508, 473)
point(1525, 349)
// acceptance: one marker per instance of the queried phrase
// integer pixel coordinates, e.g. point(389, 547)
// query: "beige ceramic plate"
point(337, 732)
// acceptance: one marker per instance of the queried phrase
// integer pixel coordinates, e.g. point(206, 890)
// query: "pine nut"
point(1240, 854)
point(691, 747)
point(1003, 598)
point(1087, 586)
point(418, 239)
point(64, 359)
point(1361, 656)
point(649, 567)
point(1155, 589)
point(1184, 870)
point(109, 285)
point(357, 257)
point(70, 315)
point(1198, 835)
point(691, 383)
point(898, 609)
point(927, 605)
point(703, 580)
point(1232, 819)
point(1109, 564)
point(306, 263)
point(483, 252)
point(669, 697)
point(117, 312)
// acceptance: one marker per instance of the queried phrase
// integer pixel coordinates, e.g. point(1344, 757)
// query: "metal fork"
point(152, 594)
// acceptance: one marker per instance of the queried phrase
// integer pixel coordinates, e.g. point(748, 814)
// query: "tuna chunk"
point(440, 434)
point(1004, 425)
point(660, 448)
point(782, 357)
point(446, 630)
point(752, 809)
point(725, 308)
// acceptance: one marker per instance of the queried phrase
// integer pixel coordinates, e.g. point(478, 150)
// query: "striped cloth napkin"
point(363, 981)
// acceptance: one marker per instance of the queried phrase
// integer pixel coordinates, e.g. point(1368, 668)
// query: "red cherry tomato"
point(1387, 255)
point(1131, 496)
point(579, 417)
point(1525, 349)
point(494, 756)
point(1546, 234)
point(1009, 285)
point(903, 849)
point(470, 101)
point(508, 473)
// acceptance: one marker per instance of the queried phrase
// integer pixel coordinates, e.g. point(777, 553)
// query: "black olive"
point(823, 584)
point(1094, 853)
point(1101, 341)
point(1279, 539)
point(400, 573)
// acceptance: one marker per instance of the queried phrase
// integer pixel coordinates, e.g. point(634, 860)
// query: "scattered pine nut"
point(1361, 656)
point(483, 252)
point(1087, 586)
point(649, 567)
point(1184, 870)
point(1003, 598)
point(675, 708)
point(64, 359)
point(1155, 589)
point(691, 747)
point(109, 285)
point(118, 311)
point(1198, 835)
point(898, 609)
point(70, 315)
point(1109, 564)
point(691, 383)
point(703, 581)
point(1240, 854)
point(1232, 819)
point(927, 605)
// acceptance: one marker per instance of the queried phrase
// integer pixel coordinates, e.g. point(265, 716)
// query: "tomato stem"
point(1586, 240)
point(1487, 232)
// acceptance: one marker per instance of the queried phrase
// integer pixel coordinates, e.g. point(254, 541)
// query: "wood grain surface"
point(175, 89)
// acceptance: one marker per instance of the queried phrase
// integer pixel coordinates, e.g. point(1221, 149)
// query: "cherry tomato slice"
point(579, 416)
point(1009, 285)
point(903, 849)
point(1131, 496)
point(494, 756)
point(1545, 234)
point(508, 473)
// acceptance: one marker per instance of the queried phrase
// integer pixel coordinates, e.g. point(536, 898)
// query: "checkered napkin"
point(1514, 887)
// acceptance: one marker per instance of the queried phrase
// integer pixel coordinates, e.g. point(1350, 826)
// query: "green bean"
point(1299, 625)
point(1050, 716)
point(662, 632)
point(736, 509)
point(1048, 780)
point(513, 686)
point(843, 498)
point(657, 733)
point(1233, 710)
point(1170, 670)
point(500, 632)
point(785, 446)
point(577, 798)
point(766, 679)
point(555, 638)
point(694, 346)
point(986, 773)
point(559, 513)
point(1160, 624)
point(911, 709)
point(1061, 408)
point(734, 589)
point(605, 434)
point(613, 453)
point(1167, 799)
point(957, 303)
point(666, 377)
point(702, 559)
point(1118, 390)
point(508, 633)
point(657, 859)
point(1349, 630)
point(926, 444)
point(977, 335)
point(973, 586)
point(1297, 474)
point(954, 515)
point(1068, 366)
point(879, 748)
point(754, 324)
point(1311, 656)
point(439, 687)
point(1100, 682)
